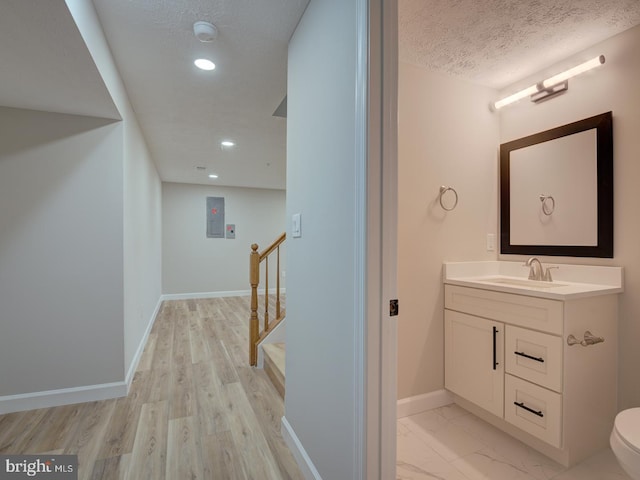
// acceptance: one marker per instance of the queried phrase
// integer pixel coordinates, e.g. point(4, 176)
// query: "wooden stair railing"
point(255, 259)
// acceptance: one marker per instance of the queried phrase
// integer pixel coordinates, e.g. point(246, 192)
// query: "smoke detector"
point(205, 31)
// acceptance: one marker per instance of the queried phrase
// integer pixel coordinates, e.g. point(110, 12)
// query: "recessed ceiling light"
point(227, 143)
point(204, 64)
point(213, 175)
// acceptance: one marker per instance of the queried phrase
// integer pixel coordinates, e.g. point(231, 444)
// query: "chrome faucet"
point(535, 273)
point(538, 273)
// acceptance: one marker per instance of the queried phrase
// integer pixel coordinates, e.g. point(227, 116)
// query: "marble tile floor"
point(449, 443)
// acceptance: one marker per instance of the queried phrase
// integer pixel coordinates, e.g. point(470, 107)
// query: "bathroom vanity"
point(536, 359)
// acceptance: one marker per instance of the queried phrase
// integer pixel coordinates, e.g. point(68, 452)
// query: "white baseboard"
point(299, 454)
point(65, 396)
point(188, 296)
point(143, 342)
point(421, 403)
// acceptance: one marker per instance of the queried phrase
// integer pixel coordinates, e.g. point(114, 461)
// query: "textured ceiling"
point(185, 112)
point(498, 42)
point(45, 64)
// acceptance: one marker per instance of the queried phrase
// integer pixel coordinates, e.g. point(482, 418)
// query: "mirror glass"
point(556, 192)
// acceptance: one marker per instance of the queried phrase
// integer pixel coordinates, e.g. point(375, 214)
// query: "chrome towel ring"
point(548, 204)
point(443, 190)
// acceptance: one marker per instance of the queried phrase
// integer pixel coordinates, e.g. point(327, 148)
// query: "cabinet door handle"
point(531, 410)
point(495, 363)
point(537, 359)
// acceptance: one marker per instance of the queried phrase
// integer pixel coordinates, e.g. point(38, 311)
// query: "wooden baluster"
point(266, 294)
point(278, 284)
point(254, 280)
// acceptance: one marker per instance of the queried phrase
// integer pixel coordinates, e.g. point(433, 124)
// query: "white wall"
point(193, 263)
point(322, 178)
point(446, 136)
point(142, 196)
point(614, 87)
point(142, 242)
point(61, 271)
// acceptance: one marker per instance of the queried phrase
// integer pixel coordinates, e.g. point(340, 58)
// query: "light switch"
point(296, 228)
point(491, 242)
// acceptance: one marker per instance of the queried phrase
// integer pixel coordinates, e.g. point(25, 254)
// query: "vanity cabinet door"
point(474, 353)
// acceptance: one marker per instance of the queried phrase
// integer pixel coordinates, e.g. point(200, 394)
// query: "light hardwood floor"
point(196, 410)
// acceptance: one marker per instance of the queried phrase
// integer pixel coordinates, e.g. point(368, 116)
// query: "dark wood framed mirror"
point(556, 191)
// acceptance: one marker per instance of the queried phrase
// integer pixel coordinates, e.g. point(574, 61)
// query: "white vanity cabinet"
point(507, 360)
point(473, 360)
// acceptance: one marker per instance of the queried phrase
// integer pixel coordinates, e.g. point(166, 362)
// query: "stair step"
point(274, 364)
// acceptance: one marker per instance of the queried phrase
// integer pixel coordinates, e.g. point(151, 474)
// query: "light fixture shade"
point(572, 72)
point(515, 97)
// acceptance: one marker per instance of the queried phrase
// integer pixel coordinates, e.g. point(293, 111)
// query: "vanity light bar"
point(516, 96)
point(546, 86)
point(572, 72)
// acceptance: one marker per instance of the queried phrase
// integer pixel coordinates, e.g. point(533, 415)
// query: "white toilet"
point(625, 441)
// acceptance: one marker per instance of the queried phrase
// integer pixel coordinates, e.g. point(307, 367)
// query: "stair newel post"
point(254, 280)
point(278, 283)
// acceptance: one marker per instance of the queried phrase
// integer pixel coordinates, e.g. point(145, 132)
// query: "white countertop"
point(569, 281)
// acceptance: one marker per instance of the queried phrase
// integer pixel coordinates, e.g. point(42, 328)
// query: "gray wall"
point(321, 404)
point(193, 263)
point(61, 270)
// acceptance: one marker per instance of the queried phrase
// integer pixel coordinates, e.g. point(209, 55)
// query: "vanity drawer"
point(531, 312)
point(533, 409)
point(534, 356)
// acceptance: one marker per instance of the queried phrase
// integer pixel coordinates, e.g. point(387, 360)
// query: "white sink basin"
point(521, 282)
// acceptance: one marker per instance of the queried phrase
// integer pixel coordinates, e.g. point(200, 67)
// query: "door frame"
point(381, 217)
